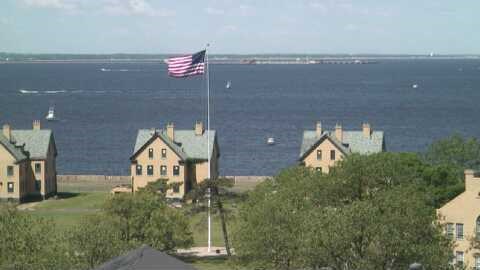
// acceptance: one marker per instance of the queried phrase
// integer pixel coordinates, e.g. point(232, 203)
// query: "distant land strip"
point(220, 59)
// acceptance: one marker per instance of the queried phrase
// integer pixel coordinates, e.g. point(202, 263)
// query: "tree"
point(369, 213)
point(390, 231)
point(29, 242)
point(463, 153)
point(95, 240)
point(145, 218)
point(214, 188)
point(271, 231)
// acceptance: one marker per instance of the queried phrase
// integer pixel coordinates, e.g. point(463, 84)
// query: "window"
point(38, 168)
point(9, 170)
point(150, 170)
point(176, 188)
point(164, 153)
point(318, 169)
point(10, 187)
point(477, 230)
point(450, 230)
point(139, 170)
point(150, 153)
point(163, 170)
point(477, 262)
point(319, 154)
point(38, 185)
point(176, 170)
point(459, 258)
point(459, 228)
point(332, 154)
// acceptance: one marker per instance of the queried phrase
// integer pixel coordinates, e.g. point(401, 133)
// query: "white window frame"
point(450, 230)
point(462, 260)
point(457, 231)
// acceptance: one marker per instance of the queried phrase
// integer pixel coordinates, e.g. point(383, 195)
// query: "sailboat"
point(51, 114)
point(228, 85)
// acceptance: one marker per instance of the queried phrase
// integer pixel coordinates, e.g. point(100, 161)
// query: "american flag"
point(188, 65)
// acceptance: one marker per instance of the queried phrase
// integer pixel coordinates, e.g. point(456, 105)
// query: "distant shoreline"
point(247, 60)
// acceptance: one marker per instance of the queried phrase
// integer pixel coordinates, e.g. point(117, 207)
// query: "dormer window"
point(164, 153)
point(150, 153)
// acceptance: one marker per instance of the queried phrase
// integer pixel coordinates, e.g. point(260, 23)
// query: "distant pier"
point(289, 61)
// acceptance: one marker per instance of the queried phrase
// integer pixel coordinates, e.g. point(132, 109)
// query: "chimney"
point(367, 131)
point(472, 183)
point(319, 129)
point(339, 132)
point(171, 131)
point(199, 128)
point(36, 125)
point(7, 132)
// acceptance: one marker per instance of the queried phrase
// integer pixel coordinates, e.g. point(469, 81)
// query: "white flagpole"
point(208, 149)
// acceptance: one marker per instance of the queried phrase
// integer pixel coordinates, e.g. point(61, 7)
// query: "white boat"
point(51, 114)
point(415, 86)
point(271, 141)
point(228, 85)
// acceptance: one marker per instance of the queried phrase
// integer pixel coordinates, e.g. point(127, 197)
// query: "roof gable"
point(140, 146)
point(145, 257)
point(187, 145)
point(319, 141)
point(37, 142)
point(13, 148)
point(353, 142)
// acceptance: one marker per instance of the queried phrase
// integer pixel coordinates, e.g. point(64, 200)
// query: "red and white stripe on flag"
point(188, 65)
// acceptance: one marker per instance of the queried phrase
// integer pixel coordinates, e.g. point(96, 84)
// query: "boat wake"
point(50, 92)
point(23, 91)
point(55, 92)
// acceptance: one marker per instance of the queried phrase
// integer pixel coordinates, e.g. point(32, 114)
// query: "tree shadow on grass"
point(67, 195)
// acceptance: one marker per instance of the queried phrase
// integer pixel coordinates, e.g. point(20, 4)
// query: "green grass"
point(70, 208)
point(212, 263)
point(199, 226)
point(80, 199)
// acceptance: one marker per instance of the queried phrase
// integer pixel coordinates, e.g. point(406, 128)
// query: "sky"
point(240, 26)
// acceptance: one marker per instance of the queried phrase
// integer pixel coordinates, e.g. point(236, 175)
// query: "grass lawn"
point(212, 263)
point(70, 208)
point(77, 200)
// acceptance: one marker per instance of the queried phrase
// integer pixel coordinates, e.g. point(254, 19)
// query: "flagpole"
point(208, 149)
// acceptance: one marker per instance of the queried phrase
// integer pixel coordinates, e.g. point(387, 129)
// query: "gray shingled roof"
point(36, 141)
point(15, 150)
point(353, 141)
point(187, 145)
point(144, 258)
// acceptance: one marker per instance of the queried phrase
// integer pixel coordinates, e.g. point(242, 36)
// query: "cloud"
point(56, 4)
point(318, 6)
point(214, 11)
point(229, 28)
point(134, 7)
point(350, 27)
point(246, 10)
